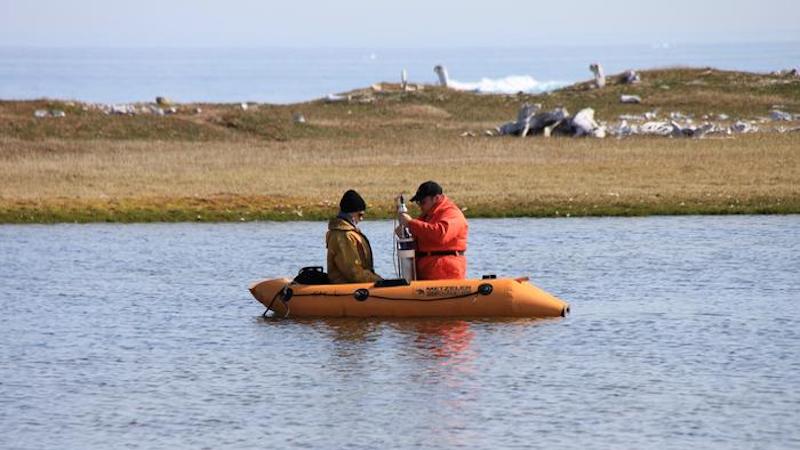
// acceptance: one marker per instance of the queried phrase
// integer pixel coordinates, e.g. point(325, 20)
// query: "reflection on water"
point(449, 341)
point(683, 334)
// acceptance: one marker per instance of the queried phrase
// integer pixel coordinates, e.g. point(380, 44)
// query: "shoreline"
point(192, 210)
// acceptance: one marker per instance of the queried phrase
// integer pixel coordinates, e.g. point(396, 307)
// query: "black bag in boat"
point(312, 275)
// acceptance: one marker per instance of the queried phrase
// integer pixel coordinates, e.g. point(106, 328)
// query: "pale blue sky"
point(409, 23)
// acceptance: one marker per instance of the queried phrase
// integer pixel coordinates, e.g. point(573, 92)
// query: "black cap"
point(352, 202)
point(427, 189)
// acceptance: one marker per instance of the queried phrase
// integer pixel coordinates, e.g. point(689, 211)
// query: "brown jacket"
point(349, 254)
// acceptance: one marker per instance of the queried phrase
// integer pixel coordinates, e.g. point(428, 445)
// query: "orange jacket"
point(443, 229)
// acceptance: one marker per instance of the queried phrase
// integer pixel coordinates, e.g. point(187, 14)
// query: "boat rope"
point(284, 294)
point(269, 307)
point(363, 294)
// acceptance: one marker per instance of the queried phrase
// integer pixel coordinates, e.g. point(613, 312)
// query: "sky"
point(392, 24)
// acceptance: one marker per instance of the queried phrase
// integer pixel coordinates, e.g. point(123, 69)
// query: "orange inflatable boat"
point(496, 297)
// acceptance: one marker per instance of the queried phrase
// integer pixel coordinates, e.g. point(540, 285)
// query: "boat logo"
point(444, 291)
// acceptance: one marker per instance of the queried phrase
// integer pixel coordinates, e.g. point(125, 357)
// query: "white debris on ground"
point(333, 98)
point(743, 127)
point(585, 125)
point(680, 116)
point(362, 97)
point(776, 114)
point(630, 99)
point(532, 121)
point(42, 113)
point(787, 72)
point(599, 75)
point(123, 109)
point(668, 129)
point(631, 77)
point(787, 130)
point(677, 125)
point(162, 107)
point(441, 73)
point(131, 109)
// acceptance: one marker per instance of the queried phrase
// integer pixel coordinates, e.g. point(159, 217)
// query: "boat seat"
point(391, 282)
point(312, 275)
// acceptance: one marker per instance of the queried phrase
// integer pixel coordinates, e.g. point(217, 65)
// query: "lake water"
point(281, 75)
point(684, 333)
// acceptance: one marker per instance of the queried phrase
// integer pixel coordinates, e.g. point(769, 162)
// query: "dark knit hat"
point(352, 202)
point(427, 189)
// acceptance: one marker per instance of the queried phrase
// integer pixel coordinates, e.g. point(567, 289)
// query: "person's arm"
point(349, 262)
point(440, 230)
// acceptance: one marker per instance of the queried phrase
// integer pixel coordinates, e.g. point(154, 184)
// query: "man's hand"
point(404, 218)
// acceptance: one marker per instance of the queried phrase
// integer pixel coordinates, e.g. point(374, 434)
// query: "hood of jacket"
point(444, 204)
point(339, 224)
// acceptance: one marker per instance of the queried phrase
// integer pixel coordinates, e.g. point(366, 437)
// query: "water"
point(282, 75)
point(684, 334)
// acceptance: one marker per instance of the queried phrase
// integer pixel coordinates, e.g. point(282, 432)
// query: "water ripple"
point(684, 333)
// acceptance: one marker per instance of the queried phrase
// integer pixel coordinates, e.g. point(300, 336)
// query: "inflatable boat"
point(489, 297)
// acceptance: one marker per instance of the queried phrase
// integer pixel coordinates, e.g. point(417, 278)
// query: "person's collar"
point(347, 218)
point(437, 205)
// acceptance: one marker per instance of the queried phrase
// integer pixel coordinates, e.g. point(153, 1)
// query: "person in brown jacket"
point(349, 252)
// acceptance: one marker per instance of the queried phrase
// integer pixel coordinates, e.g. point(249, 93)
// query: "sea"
point(289, 75)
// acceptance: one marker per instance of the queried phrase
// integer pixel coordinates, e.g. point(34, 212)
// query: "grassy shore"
point(225, 163)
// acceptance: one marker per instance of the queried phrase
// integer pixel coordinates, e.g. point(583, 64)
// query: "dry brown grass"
point(487, 175)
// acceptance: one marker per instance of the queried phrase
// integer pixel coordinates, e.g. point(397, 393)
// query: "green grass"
point(190, 210)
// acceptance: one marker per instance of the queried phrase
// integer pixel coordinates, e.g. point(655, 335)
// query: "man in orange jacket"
point(440, 233)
